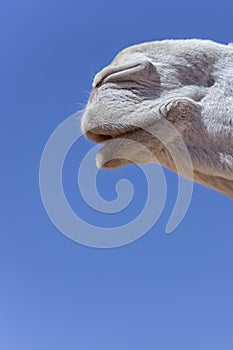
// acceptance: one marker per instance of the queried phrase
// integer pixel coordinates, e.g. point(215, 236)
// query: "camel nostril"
point(115, 74)
point(98, 84)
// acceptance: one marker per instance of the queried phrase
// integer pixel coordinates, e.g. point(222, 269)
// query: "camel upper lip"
point(97, 137)
point(101, 135)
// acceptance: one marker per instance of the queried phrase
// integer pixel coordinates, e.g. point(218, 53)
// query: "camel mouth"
point(101, 135)
point(97, 137)
point(108, 156)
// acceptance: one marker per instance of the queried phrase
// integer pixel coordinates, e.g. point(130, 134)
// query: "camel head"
point(158, 92)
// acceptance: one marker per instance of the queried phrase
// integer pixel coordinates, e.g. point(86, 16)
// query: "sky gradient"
point(160, 292)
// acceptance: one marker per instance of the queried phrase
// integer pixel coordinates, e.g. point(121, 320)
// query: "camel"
point(188, 83)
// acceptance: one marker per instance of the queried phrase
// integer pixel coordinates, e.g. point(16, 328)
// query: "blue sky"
point(160, 292)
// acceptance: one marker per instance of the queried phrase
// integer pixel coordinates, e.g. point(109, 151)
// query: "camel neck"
point(219, 178)
point(220, 184)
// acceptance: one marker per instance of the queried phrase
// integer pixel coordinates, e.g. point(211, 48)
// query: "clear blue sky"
point(162, 291)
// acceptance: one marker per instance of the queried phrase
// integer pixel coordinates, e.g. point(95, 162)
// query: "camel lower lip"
point(111, 155)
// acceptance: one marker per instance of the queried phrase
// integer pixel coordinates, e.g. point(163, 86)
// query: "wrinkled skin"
point(155, 93)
